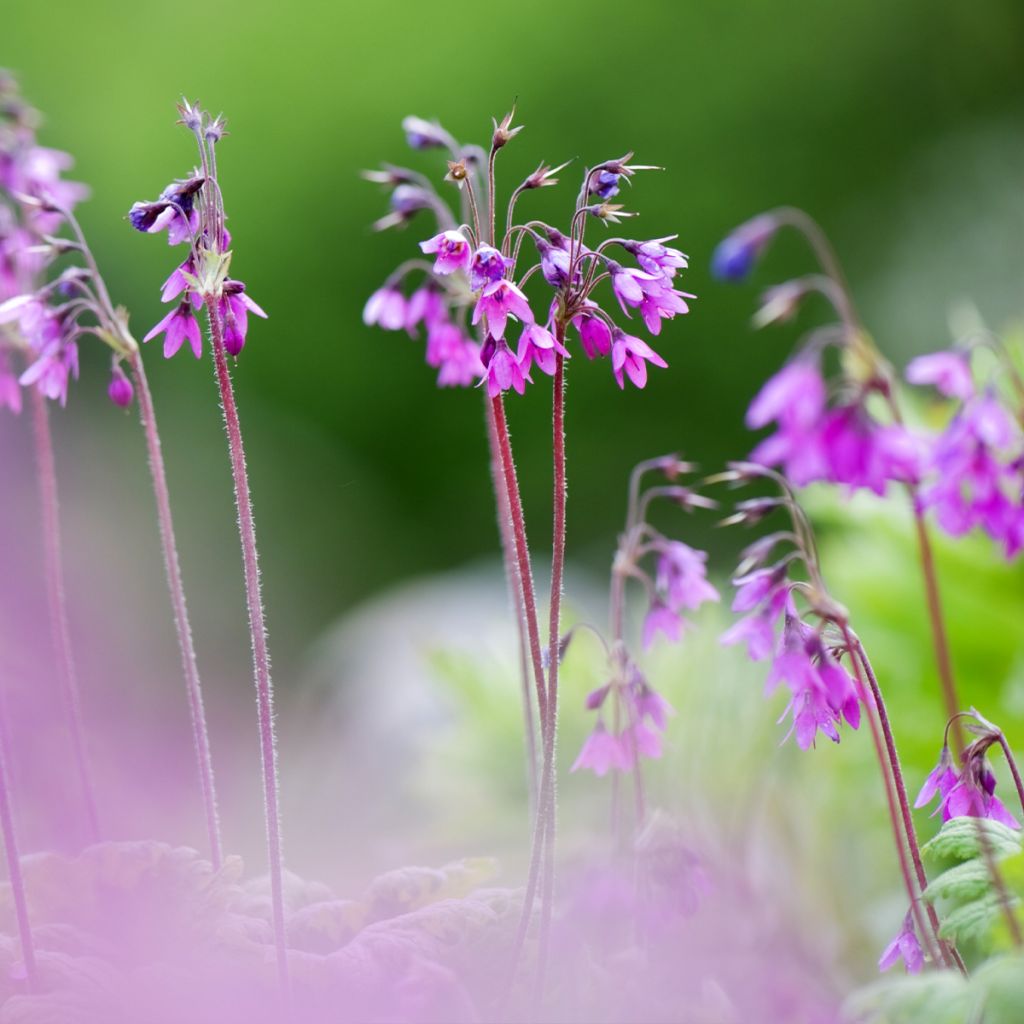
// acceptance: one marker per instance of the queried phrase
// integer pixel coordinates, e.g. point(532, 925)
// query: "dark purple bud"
point(554, 264)
point(490, 346)
point(736, 254)
point(120, 390)
point(604, 184)
point(421, 134)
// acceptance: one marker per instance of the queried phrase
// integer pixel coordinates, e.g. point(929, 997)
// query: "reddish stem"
point(200, 737)
point(28, 951)
point(939, 637)
point(258, 632)
point(508, 551)
point(889, 759)
point(1014, 771)
point(57, 602)
point(549, 792)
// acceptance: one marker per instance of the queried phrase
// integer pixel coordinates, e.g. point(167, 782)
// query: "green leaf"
point(965, 882)
point(958, 839)
point(972, 921)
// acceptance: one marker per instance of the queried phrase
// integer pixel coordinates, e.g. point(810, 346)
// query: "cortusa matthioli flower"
point(192, 211)
point(481, 267)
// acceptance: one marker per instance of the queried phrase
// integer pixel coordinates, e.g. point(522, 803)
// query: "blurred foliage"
point(892, 123)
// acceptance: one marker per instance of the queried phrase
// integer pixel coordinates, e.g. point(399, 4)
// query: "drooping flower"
point(906, 947)
point(555, 263)
point(595, 334)
point(948, 372)
point(504, 370)
point(178, 326)
point(941, 779)
point(120, 390)
point(174, 211)
point(385, 308)
point(498, 301)
point(538, 347)
point(488, 267)
point(452, 249)
point(602, 752)
point(422, 134)
point(630, 356)
point(736, 255)
point(234, 308)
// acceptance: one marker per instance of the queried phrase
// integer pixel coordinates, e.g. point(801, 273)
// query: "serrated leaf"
point(958, 839)
point(972, 921)
point(963, 883)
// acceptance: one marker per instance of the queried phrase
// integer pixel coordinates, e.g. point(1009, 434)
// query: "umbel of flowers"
point(469, 290)
point(476, 278)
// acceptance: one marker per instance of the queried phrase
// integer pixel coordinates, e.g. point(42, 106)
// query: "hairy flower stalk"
point(50, 319)
point(197, 713)
point(191, 210)
point(808, 660)
point(477, 277)
point(60, 630)
point(843, 444)
point(15, 877)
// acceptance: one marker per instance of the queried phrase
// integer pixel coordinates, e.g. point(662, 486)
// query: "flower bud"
point(120, 390)
point(736, 254)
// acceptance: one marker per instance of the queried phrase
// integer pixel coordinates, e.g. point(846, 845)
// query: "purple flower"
point(904, 946)
point(630, 356)
point(735, 256)
point(55, 364)
point(487, 268)
point(180, 324)
point(120, 390)
point(756, 631)
point(503, 369)
point(555, 263)
point(179, 282)
point(425, 306)
point(421, 134)
point(948, 372)
point(941, 779)
point(652, 293)
point(234, 307)
point(456, 358)
point(173, 211)
point(604, 184)
point(682, 576)
point(595, 334)
point(662, 619)
point(453, 251)
point(498, 301)
point(657, 258)
point(538, 347)
point(602, 752)
point(385, 308)
point(860, 453)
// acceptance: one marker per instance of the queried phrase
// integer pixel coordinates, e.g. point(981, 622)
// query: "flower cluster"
point(476, 279)
point(805, 657)
point(40, 324)
point(974, 475)
point(678, 584)
point(967, 792)
point(191, 210)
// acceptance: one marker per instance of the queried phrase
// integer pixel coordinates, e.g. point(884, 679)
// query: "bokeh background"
point(898, 126)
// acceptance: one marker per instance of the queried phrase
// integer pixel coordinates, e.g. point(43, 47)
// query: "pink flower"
point(453, 251)
point(235, 307)
point(120, 390)
point(595, 335)
point(656, 258)
point(385, 308)
point(424, 306)
point(52, 370)
point(537, 347)
point(503, 369)
point(662, 619)
point(488, 267)
point(602, 752)
point(682, 576)
point(906, 947)
point(498, 301)
point(630, 356)
point(177, 326)
point(948, 372)
point(455, 356)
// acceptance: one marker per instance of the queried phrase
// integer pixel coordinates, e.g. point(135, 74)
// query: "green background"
point(897, 125)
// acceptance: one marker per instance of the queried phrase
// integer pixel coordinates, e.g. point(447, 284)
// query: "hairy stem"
point(200, 737)
point(890, 758)
point(258, 632)
point(550, 775)
point(1014, 771)
point(940, 640)
point(508, 551)
point(58, 611)
point(17, 881)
